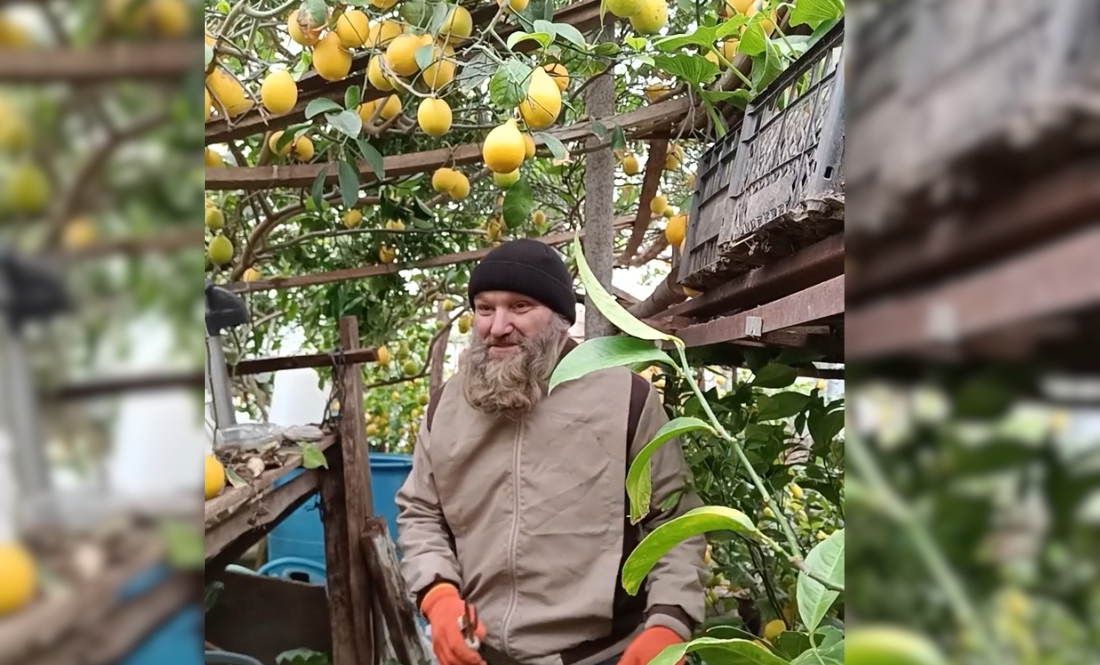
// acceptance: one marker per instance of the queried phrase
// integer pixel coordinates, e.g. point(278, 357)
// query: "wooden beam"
point(262, 365)
point(253, 178)
point(109, 62)
point(163, 243)
point(364, 272)
point(389, 589)
point(654, 167)
point(807, 306)
point(1055, 279)
point(113, 386)
point(345, 506)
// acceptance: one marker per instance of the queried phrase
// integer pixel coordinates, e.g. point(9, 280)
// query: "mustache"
point(513, 339)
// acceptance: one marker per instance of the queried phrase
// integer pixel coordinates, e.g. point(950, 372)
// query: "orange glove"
point(648, 644)
point(443, 608)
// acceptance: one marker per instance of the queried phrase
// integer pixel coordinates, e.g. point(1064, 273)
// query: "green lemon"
point(889, 645)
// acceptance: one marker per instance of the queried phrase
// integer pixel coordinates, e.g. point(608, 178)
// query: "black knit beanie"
point(528, 267)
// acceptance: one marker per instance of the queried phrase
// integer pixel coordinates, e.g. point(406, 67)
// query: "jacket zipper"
point(512, 541)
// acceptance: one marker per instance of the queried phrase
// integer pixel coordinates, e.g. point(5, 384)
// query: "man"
point(516, 502)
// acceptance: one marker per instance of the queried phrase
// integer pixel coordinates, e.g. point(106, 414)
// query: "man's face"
point(502, 320)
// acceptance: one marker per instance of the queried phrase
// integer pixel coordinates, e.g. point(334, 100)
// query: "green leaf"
point(671, 533)
point(774, 375)
point(703, 36)
point(184, 545)
point(607, 50)
point(609, 307)
point(508, 86)
point(347, 123)
point(618, 138)
point(599, 130)
point(316, 10)
point(234, 479)
point(321, 105)
point(791, 643)
point(352, 97)
point(731, 652)
point(765, 68)
point(424, 55)
point(556, 147)
point(688, 67)
point(826, 560)
point(518, 204)
point(475, 72)
point(209, 55)
point(439, 15)
point(312, 457)
point(780, 405)
point(815, 12)
point(739, 98)
point(603, 352)
point(638, 480)
point(824, 426)
point(372, 157)
point(317, 191)
point(349, 185)
point(753, 41)
point(544, 39)
point(636, 43)
point(569, 34)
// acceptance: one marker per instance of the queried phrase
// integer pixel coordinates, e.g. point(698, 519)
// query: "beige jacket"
point(528, 520)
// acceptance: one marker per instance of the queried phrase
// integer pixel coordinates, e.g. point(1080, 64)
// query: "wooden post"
point(345, 506)
point(391, 593)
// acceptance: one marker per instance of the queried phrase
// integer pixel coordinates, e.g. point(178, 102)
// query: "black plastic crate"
point(987, 95)
point(785, 190)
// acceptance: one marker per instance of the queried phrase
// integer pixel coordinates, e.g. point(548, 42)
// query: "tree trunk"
point(438, 351)
point(599, 184)
point(667, 294)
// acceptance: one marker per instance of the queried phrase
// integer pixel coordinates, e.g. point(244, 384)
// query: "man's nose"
point(502, 323)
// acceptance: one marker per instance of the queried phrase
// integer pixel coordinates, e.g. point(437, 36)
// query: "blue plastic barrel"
point(295, 569)
point(301, 534)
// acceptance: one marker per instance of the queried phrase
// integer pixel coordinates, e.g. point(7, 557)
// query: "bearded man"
point(516, 503)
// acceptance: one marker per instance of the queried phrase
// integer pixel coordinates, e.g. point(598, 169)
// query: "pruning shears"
point(467, 623)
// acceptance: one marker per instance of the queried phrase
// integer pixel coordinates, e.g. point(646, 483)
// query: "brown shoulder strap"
point(433, 402)
point(639, 391)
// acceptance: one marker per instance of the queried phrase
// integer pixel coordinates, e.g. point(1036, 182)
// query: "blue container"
point(301, 534)
point(295, 569)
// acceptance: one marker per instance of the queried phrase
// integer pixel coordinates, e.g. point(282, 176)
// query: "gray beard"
point(510, 387)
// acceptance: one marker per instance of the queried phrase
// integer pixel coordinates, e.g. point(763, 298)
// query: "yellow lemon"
point(251, 275)
point(558, 74)
point(302, 150)
point(386, 254)
point(504, 148)
point(543, 102)
point(464, 324)
point(78, 234)
point(18, 578)
point(384, 4)
point(214, 481)
point(28, 190)
point(655, 91)
point(395, 225)
point(330, 60)
point(738, 6)
point(773, 629)
point(441, 71)
point(376, 76)
point(303, 37)
point(690, 181)
point(170, 18)
point(729, 49)
point(209, 103)
point(444, 179)
point(382, 33)
point(279, 92)
point(383, 355)
point(214, 219)
point(528, 146)
point(630, 165)
point(624, 8)
point(461, 187)
point(658, 205)
point(220, 250)
point(273, 143)
point(391, 108)
point(352, 28)
point(538, 218)
point(366, 111)
point(676, 229)
point(352, 218)
point(212, 160)
point(457, 26)
point(401, 54)
point(410, 368)
point(15, 134)
point(651, 17)
point(506, 180)
point(796, 491)
point(434, 117)
point(228, 94)
point(372, 429)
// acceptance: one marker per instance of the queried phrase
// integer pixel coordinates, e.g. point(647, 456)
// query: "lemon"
point(674, 158)
point(294, 29)
point(651, 17)
point(658, 205)
point(251, 275)
point(227, 92)
point(506, 180)
point(352, 28)
point(464, 324)
point(15, 134)
point(383, 4)
point(630, 165)
point(330, 60)
point(434, 117)
point(78, 234)
point(543, 102)
point(220, 250)
point(214, 219)
point(528, 146)
point(279, 92)
point(558, 74)
point(878, 645)
point(443, 179)
point(352, 218)
point(624, 8)
point(18, 578)
point(457, 26)
point(504, 148)
point(410, 368)
point(773, 629)
point(402, 350)
point(447, 305)
point(372, 429)
point(386, 254)
point(796, 491)
point(676, 229)
point(738, 6)
point(655, 91)
point(13, 35)
point(209, 103)
point(461, 188)
point(689, 182)
point(729, 49)
point(212, 159)
point(170, 18)
point(383, 355)
point(441, 71)
point(391, 108)
point(303, 149)
point(366, 111)
point(821, 535)
point(28, 190)
point(214, 481)
point(395, 225)
point(376, 76)
point(401, 54)
point(382, 33)
point(273, 142)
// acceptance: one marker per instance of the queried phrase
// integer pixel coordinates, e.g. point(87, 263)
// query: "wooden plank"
point(807, 306)
point(654, 167)
point(161, 243)
point(108, 62)
point(345, 506)
point(1058, 278)
point(113, 386)
point(252, 178)
point(391, 592)
point(261, 365)
point(363, 272)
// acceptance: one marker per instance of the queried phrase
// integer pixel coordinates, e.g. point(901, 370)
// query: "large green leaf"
point(780, 405)
point(733, 652)
point(826, 560)
point(672, 533)
point(824, 426)
point(610, 307)
point(815, 12)
point(688, 67)
point(604, 352)
point(322, 105)
point(774, 375)
point(518, 204)
point(706, 36)
point(372, 157)
point(638, 480)
point(349, 184)
point(828, 649)
point(508, 87)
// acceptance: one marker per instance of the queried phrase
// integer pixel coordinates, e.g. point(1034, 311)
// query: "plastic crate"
point(987, 94)
point(785, 188)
